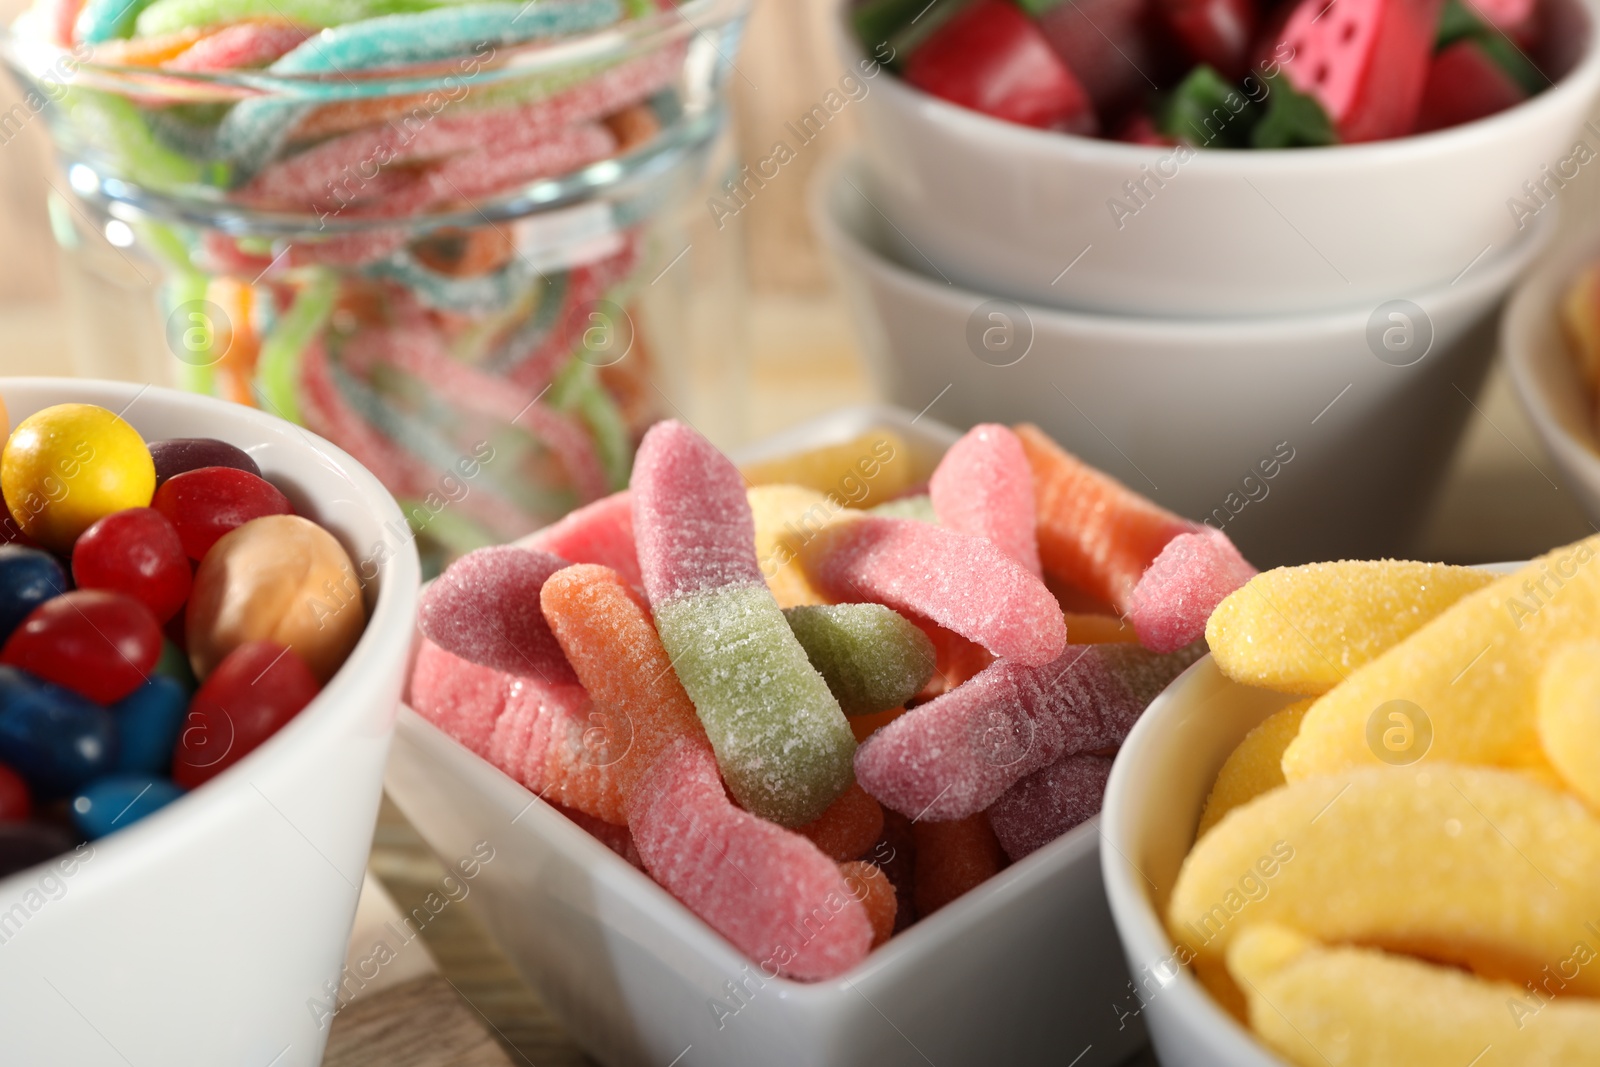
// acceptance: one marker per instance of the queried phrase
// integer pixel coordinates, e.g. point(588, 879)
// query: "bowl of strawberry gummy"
point(1218, 158)
point(803, 766)
point(206, 613)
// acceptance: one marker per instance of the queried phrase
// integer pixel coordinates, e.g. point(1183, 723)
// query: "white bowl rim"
point(1538, 296)
point(1001, 137)
point(1477, 282)
point(389, 625)
point(1139, 925)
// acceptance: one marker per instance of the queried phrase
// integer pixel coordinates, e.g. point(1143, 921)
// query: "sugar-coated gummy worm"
point(485, 609)
point(962, 582)
point(604, 627)
point(105, 20)
point(1049, 802)
point(983, 486)
point(244, 44)
point(781, 740)
point(167, 16)
point(952, 858)
point(955, 755)
point(600, 533)
point(766, 889)
point(1182, 587)
point(1094, 532)
point(850, 826)
point(872, 658)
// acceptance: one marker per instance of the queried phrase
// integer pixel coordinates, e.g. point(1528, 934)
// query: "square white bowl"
point(204, 934)
point(1024, 969)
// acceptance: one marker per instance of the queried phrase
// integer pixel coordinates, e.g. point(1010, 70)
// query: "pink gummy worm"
point(964, 583)
point(343, 161)
point(601, 532)
point(768, 890)
point(983, 486)
point(1049, 802)
point(243, 44)
point(956, 754)
point(691, 517)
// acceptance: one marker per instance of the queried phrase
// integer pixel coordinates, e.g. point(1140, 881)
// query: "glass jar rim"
point(39, 59)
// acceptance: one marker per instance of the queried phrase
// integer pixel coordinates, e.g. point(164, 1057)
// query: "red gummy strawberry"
point(1364, 61)
point(1215, 32)
point(991, 58)
point(1463, 85)
point(1109, 45)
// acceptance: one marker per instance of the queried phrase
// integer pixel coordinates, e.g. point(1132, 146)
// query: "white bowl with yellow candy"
point(1394, 773)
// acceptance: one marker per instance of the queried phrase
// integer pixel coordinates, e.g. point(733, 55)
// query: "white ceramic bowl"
point(1545, 374)
point(1004, 209)
point(204, 934)
point(1157, 790)
point(1024, 969)
point(1188, 411)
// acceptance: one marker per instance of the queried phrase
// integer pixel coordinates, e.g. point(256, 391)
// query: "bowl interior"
point(324, 484)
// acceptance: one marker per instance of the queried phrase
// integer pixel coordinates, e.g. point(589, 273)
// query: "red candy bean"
point(98, 644)
point(204, 504)
point(251, 695)
point(15, 803)
point(136, 552)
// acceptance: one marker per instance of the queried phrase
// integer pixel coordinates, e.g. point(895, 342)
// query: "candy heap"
point(1217, 73)
point(825, 705)
point(1404, 867)
point(163, 612)
point(498, 365)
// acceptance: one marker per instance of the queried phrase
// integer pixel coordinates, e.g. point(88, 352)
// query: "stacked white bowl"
point(1191, 320)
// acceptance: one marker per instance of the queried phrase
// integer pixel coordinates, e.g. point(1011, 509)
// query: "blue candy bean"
point(148, 723)
point(54, 738)
point(118, 801)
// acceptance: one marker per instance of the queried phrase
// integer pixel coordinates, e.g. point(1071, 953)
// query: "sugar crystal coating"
point(1304, 629)
point(1383, 855)
point(1253, 768)
point(485, 608)
point(1473, 670)
point(1094, 532)
point(601, 532)
point(961, 582)
point(983, 486)
point(955, 755)
point(1183, 585)
point(1305, 996)
point(780, 738)
point(1569, 717)
point(1049, 802)
point(768, 890)
point(850, 826)
point(872, 658)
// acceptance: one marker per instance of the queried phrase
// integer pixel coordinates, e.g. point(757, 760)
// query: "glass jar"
point(483, 275)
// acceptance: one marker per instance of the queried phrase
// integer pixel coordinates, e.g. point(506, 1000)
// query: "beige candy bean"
point(279, 578)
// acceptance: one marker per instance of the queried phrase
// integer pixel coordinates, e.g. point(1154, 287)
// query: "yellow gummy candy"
point(1467, 682)
point(1569, 717)
point(1487, 868)
point(786, 517)
point(1304, 629)
point(1361, 1007)
point(857, 474)
point(1255, 767)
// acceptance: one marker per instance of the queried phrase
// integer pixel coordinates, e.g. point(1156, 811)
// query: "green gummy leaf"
point(1293, 119)
point(1208, 111)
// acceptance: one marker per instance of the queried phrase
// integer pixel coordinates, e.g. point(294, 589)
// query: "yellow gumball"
point(69, 466)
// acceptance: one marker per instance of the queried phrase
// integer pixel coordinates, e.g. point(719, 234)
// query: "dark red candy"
point(1465, 85)
point(991, 57)
point(182, 454)
point(137, 552)
point(204, 504)
point(28, 844)
point(251, 695)
point(15, 802)
point(98, 644)
point(1217, 32)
